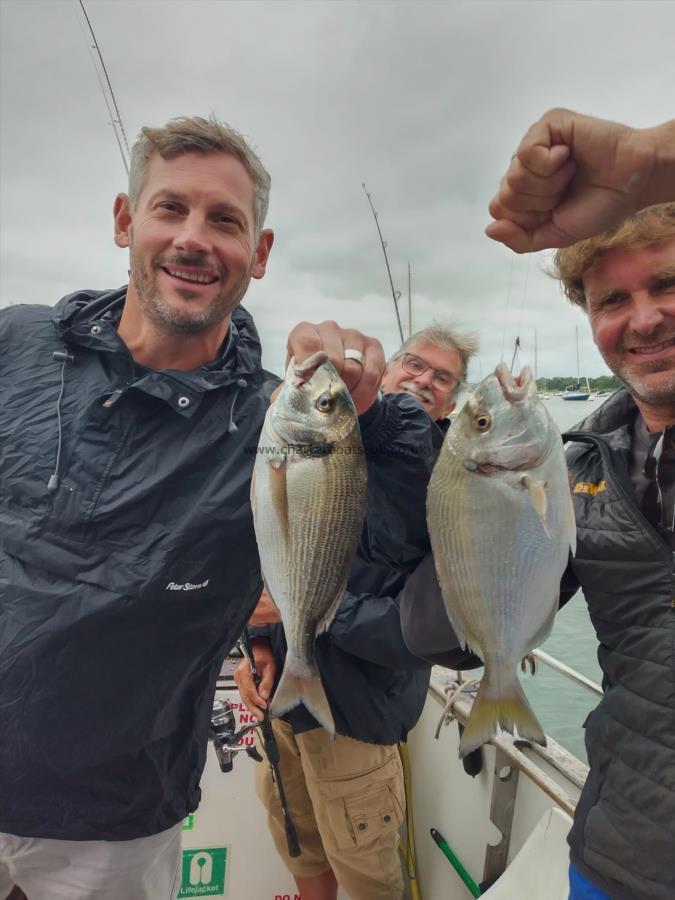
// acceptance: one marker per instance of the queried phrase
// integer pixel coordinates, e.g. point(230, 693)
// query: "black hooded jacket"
point(122, 588)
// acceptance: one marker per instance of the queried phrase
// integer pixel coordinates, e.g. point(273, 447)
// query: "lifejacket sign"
point(204, 872)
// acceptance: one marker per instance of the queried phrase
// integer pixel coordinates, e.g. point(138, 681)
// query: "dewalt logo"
point(588, 487)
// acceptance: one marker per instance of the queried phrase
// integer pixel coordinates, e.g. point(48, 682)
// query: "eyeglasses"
point(442, 380)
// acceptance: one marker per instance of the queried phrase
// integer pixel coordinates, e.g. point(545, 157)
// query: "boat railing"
point(568, 672)
point(533, 761)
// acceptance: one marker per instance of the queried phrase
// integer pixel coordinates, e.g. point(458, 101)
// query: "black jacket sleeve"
point(370, 627)
point(569, 584)
point(401, 444)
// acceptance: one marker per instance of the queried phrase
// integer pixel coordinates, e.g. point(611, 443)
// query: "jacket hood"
point(240, 355)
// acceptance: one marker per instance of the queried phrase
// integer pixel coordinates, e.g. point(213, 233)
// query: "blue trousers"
point(582, 889)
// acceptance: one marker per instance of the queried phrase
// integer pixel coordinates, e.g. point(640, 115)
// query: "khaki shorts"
point(347, 801)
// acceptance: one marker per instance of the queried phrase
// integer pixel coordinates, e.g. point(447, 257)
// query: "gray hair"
point(446, 336)
point(197, 135)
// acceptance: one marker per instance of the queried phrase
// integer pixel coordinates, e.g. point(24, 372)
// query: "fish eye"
point(324, 403)
point(483, 422)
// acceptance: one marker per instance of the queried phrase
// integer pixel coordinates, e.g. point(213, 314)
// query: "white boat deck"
point(228, 851)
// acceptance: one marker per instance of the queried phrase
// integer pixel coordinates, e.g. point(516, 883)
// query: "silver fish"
point(309, 500)
point(501, 525)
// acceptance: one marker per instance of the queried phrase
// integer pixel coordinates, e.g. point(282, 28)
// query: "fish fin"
point(295, 688)
point(493, 707)
point(537, 492)
point(571, 526)
point(327, 620)
point(279, 492)
point(325, 623)
point(454, 620)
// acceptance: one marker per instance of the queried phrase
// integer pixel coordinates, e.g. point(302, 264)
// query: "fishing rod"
point(394, 293)
point(272, 751)
point(109, 97)
point(409, 302)
point(515, 354)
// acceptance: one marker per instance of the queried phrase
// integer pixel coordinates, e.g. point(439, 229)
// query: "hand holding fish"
point(357, 358)
point(265, 612)
point(254, 697)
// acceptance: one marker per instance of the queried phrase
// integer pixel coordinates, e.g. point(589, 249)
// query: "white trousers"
point(143, 869)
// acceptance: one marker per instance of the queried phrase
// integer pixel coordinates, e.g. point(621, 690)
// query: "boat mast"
point(394, 293)
point(409, 302)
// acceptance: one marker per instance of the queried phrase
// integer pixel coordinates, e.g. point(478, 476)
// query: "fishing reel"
point(226, 738)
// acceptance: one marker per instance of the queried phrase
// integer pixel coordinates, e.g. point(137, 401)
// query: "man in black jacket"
point(128, 564)
point(571, 177)
point(622, 464)
point(347, 797)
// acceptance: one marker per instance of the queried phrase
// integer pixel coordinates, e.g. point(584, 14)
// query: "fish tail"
point(494, 706)
point(296, 688)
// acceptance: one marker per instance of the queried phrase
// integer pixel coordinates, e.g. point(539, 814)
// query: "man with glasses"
point(347, 797)
point(431, 365)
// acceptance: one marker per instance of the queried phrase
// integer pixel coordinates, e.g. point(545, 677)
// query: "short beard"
point(650, 394)
point(168, 321)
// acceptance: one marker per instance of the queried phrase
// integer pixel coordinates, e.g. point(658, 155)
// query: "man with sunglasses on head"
point(347, 797)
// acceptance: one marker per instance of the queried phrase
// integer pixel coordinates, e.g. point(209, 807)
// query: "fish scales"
point(501, 526)
point(309, 500)
point(314, 564)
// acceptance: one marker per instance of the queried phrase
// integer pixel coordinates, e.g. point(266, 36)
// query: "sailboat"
point(542, 394)
point(577, 392)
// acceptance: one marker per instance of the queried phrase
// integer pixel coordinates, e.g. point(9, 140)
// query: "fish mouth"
point(298, 436)
point(504, 458)
point(300, 373)
point(483, 468)
point(514, 387)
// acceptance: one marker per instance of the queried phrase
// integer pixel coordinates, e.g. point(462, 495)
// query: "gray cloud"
point(423, 101)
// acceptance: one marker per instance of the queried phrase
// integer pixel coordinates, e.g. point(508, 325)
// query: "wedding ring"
point(356, 355)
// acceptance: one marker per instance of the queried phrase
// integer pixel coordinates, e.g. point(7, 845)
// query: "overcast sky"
point(425, 102)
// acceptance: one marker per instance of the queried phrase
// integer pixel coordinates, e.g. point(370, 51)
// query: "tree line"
point(560, 383)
